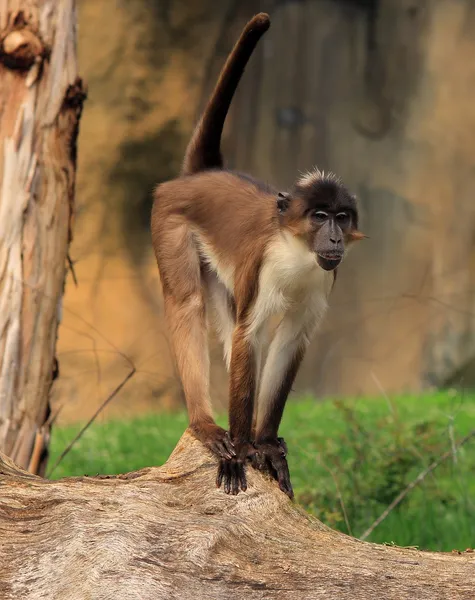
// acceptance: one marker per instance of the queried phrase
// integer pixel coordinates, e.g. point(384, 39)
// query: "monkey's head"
point(323, 213)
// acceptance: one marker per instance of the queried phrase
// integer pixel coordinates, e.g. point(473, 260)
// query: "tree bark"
point(41, 99)
point(167, 532)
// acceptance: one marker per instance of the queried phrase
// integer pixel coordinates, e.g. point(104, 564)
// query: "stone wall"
point(380, 92)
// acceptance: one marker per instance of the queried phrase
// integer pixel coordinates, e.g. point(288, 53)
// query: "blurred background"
point(380, 92)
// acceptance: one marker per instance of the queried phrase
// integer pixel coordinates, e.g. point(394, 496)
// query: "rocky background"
point(379, 91)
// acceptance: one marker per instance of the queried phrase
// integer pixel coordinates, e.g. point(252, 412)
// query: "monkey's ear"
point(355, 236)
point(283, 201)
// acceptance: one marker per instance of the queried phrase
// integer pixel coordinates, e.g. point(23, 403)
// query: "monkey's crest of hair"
point(315, 176)
point(312, 184)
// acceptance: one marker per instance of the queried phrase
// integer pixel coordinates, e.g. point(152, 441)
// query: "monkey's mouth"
point(329, 261)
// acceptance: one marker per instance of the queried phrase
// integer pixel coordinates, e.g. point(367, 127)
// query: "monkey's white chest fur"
point(291, 282)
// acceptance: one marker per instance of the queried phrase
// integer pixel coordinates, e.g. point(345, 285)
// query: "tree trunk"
point(40, 105)
point(167, 532)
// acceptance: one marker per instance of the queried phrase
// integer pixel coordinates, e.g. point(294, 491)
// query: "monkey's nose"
point(336, 241)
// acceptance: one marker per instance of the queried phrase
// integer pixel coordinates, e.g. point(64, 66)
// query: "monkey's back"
point(230, 211)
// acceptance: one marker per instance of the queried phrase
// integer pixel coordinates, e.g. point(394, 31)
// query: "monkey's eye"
point(320, 215)
point(342, 218)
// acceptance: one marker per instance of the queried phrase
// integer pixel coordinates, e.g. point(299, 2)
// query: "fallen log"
point(167, 532)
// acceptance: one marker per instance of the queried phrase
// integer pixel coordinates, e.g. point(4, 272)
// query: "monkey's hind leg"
point(186, 317)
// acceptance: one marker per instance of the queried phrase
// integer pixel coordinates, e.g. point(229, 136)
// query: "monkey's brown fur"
point(225, 240)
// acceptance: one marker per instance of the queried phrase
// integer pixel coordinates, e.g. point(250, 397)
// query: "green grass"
point(349, 457)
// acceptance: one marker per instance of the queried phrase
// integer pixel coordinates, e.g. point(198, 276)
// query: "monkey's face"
point(330, 228)
point(321, 211)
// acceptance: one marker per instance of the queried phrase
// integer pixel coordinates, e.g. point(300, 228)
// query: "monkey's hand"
point(232, 471)
point(270, 457)
point(215, 438)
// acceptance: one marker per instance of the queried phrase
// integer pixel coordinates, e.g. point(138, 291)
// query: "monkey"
point(232, 246)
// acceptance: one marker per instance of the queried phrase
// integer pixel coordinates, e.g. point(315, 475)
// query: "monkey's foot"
point(270, 457)
point(215, 438)
point(232, 472)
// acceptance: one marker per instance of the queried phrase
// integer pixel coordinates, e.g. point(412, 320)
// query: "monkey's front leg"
point(232, 471)
point(283, 361)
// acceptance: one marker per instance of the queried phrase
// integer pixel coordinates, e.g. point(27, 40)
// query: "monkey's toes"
point(271, 457)
point(232, 475)
point(232, 471)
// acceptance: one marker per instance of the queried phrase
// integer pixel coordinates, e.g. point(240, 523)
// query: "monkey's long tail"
point(204, 149)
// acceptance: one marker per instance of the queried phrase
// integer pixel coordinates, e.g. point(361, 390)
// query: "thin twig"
point(340, 497)
point(414, 483)
point(451, 432)
point(39, 446)
point(71, 268)
point(383, 392)
point(92, 419)
point(452, 439)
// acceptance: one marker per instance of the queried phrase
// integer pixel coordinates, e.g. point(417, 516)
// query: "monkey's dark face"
point(330, 226)
point(323, 211)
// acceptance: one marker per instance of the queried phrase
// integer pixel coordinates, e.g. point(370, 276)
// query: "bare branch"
point(400, 497)
point(92, 419)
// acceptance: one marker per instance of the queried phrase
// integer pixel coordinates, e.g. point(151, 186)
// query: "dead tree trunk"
point(167, 532)
point(40, 105)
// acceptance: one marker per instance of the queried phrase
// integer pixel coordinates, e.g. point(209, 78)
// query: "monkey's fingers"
point(242, 481)
point(280, 466)
point(227, 443)
point(238, 477)
point(218, 448)
point(235, 477)
point(232, 473)
point(220, 475)
point(227, 476)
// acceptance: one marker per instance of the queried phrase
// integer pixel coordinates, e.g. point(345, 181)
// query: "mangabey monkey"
point(226, 239)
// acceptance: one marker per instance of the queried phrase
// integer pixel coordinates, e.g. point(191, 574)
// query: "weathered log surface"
point(167, 532)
